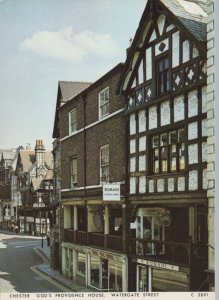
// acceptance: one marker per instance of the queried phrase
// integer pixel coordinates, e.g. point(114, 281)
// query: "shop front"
point(96, 269)
point(157, 276)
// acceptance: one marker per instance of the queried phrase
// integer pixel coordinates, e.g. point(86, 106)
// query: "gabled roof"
point(188, 16)
point(69, 89)
point(28, 159)
point(192, 15)
point(49, 175)
point(66, 91)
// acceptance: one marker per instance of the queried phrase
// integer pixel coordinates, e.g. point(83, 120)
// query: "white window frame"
point(104, 165)
point(72, 122)
point(106, 103)
point(74, 182)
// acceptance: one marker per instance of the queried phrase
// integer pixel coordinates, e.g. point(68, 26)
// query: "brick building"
point(92, 133)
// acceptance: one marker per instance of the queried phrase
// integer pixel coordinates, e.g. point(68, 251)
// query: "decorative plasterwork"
point(132, 185)
point(152, 117)
point(142, 162)
point(165, 113)
point(181, 184)
point(193, 153)
point(193, 131)
point(193, 180)
point(141, 121)
point(192, 104)
point(179, 109)
point(175, 51)
point(142, 143)
point(142, 184)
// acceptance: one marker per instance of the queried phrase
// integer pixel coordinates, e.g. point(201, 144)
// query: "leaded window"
point(163, 75)
point(168, 152)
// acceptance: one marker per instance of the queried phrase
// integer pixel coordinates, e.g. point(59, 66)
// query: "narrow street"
point(17, 266)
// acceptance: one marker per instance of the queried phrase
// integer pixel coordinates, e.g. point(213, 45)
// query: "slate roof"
point(195, 20)
point(8, 154)
point(70, 89)
point(28, 158)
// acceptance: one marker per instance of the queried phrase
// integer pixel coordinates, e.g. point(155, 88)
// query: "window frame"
point(106, 103)
point(73, 122)
point(106, 165)
point(73, 184)
point(164, 74)
point(177, 154)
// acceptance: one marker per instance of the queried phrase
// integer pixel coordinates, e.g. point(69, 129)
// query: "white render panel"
point(193, 180)
point(148, 63)
point(142, 143)
point(195, 52)
point(193, 153)
point(132, 146)
point(165, 113)
point(142, 184)
point(132, 185)
point(204, 152)
point(166, 43)
point(142, 162)
point(132, 123)
point(160, 185)
point(204, 179)
point(141, 121)
point(132, 164)
point(152, 117)
point(151, 186)
point(134, 83)
point(153, 36)
point(204, 127)
point(140, 73)
point(179, 109)
point(204, 99)
point(186, 50)
point(175, 51)
point(170, 184)
point(193, 130)
point(181, 184)
point(170, 27)
point(192, 103)
point(160, 23)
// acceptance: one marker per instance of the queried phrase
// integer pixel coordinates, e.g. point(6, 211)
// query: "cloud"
point(70, 46)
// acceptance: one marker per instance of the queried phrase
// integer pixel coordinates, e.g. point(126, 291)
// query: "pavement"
point(55, 275)
point(45, 267)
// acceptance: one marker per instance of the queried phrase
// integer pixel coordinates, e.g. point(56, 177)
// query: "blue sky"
point(45, 41)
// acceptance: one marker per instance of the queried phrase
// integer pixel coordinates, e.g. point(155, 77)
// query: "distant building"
point(32, 169)
point(7, 211)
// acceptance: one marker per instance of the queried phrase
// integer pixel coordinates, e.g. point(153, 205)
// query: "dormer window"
point(104, 103)
point(163, 75)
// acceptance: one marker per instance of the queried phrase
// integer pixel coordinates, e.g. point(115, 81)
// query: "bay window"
point(168, 152)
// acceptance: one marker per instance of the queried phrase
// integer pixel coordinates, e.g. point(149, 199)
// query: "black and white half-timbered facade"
point(164, 85)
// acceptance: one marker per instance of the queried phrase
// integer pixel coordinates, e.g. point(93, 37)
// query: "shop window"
point(105, 275)
point(163, 76)
point(94, 271)
point(81, 264)
point(149, 228)
point(168, 152)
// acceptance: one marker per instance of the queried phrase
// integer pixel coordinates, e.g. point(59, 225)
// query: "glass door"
point(143, 278)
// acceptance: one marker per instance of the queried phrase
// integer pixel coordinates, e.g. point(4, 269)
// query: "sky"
point(45, 41)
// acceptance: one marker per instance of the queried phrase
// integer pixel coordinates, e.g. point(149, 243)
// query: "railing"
point(93, 238)
point(174, 252)
point(114, 242)
point(96, 239)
